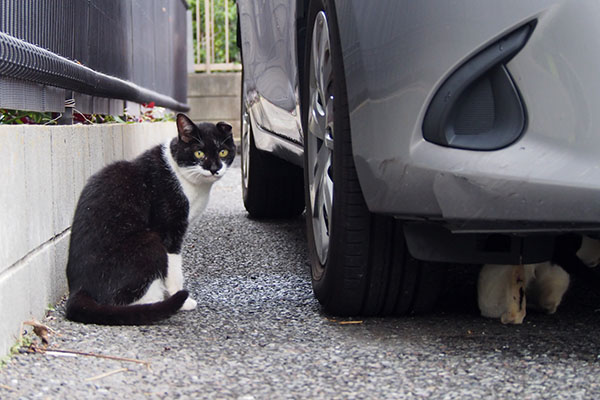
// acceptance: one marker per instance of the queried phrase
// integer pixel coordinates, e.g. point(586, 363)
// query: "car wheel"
point(271, 187)
point(359, 261)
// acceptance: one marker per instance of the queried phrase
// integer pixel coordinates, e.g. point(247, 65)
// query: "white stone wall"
point(216, 97)
point(42, 171)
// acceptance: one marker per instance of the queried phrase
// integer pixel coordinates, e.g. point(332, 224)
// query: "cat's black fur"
point(129, 216)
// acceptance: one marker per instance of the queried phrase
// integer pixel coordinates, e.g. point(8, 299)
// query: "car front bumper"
point(396, 59)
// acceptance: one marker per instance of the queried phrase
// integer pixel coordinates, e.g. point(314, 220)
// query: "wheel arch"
point(343, 11)
point(301, 26)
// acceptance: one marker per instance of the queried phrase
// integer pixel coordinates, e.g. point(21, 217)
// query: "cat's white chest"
point(197, 197)
point(197, 193)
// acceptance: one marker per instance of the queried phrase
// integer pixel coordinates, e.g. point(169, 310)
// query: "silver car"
point(420, 132)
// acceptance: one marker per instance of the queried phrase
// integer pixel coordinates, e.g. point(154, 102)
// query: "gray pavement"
point(258, 333)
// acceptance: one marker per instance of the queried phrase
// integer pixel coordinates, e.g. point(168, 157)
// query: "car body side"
point(396, 55)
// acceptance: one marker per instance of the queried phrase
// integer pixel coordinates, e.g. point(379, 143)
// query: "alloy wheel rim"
point(320, 136)
point(245, 141)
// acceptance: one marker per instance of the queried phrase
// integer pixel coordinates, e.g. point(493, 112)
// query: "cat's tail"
point(81, 307)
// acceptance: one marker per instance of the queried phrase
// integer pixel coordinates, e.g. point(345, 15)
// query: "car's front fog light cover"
point(478, 107)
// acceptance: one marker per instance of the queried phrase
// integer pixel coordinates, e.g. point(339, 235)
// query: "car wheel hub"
point(320, 136)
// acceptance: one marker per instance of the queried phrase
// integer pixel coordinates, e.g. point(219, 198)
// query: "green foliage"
point(219, 27)
point(18, 117)
point(150, 113)
point(24, 342)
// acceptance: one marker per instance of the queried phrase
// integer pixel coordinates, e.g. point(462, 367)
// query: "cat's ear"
point(224, 127)
point(185, 127)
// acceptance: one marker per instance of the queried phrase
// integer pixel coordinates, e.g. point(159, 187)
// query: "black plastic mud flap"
point(433, 242)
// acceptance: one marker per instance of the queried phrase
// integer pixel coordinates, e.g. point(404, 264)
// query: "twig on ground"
point(7, 388)
point(345, 322)
point(81, 353)
point(104, 375)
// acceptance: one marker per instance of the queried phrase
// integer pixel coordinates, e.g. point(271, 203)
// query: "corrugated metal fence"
point(100, 53)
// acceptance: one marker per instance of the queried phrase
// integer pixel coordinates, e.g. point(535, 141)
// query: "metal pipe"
point(198, 34)
point(226, 31)
point(207, 34)
point(212, 31)
point(23, 60)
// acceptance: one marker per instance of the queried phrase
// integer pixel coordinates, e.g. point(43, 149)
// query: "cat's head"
point(204, 151)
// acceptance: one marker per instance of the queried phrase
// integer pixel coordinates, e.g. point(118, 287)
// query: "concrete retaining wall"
point(216, 97)
point(42, 172)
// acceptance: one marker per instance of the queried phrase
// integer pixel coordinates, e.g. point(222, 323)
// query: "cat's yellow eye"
point(199, 154)
point(223, 153)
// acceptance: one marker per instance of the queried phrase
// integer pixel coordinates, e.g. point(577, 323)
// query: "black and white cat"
point(124, 263)
point(506, 291)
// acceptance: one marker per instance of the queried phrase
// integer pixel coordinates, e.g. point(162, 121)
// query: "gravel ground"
point(258, 333)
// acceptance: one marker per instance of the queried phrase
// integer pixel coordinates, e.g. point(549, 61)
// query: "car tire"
point(360, 264)
point(271, 187)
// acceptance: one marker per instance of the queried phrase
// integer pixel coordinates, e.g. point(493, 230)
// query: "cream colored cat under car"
point(506, 291)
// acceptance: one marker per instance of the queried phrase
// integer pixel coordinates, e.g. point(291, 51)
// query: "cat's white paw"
point(501, 293)
point(589, 252)
point(189, 304)
point(546, 291)
point(516, 306)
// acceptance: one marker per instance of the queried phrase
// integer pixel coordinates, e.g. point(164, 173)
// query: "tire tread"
point(275, 187)
point(369, 271)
